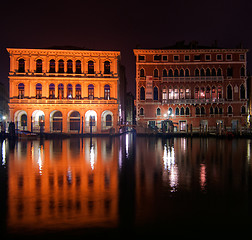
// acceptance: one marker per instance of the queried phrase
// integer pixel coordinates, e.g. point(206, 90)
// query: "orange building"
point(64, 90)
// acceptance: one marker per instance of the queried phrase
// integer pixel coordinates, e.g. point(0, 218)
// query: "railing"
point(63, 101)
point(192, 101)
point(193, 79)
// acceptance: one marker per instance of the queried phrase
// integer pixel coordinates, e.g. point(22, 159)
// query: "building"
point(64, 90)
point(195, 87)
point(4, 108)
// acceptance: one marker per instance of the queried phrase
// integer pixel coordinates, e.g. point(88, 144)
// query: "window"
point(155, 93)
point(229, 72)
point(214, 93)
point(69, 91)
point(170, 93)
point(20, 90)
point(196, 93)
point(182, 93)
point(242, 92)
point(187, 74)
point(230, 110)
point(158, 112)
point(38, 91)
point(242, 57)
point(142, 74)
point(170, 73)
point(242, 72)
point(60, 91)
point(202, 110)
point(21, 65)
point(208, 57)
point(208, 72)
point(61, 66)
point(78, 67)
point(141, 111)
point(170, 111)
point(220, 110)
point(176, 73)
point(182, 111)
point(108, 120)
point(243, 110)
point(69, 66)
point(78, 91)
point(216, 110)
point(157, 57)
point(202, 93)
point(187, 93)
point(229, 57)
point(219, 57)
point(107, 92)
point(39, 66)
point(187, 58)
point(211, 110)
point(187, 111)
point(141, 58)
point(106, 67)
point(155, 73)
point(202, 72)
point(196, 57)
point(51, 91)
point(52, 66)
point(91, 91)
point(175, 58)
point(229, 92)
point(90, 67)
point(208, 92)
point(214, 72)
point(165, 58)
point(219, 93)
point(142, 93)
point(197, 112)
point(164, 94)
point(177, 111)
point(219, 72)
point(181, 72)
point(164, 73)
point(196, 73)
point(176, 93)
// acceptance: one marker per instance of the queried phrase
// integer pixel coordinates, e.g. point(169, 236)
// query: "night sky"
point(122, 25)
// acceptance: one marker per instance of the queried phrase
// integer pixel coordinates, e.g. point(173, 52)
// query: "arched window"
point(187, 111)
point(170, 73)
point(107, 92)
point(242, 92)
point(197, 112)
point(196, 73)
point(214, 72)
point(216, 110)
point(214, 93)
point(208, 92)
point(155, 93)
point(208, 72)
point(219, 93)
point(91, 91)
point(202, 72)
point(229, 92)
point(90, 67)
point(182, 111)
point(170, 111)
point(158, 112)
point(177, 111)
point(108, 120)
point(176, 73)
point(78, 91)
point(181, 72)
point(202, 111)
point(176, 93)
point(107, 68)
point(69, 66)
point(142, 93)
point(38, 66)
point(242, 72)
point(155, 73)
point(164, 73)
point(182, 93)
point(243, 110)
point(142, 74)
point(196, 93)
point(38, 91)
point(61, 66)
point(78, 67)
point(230, 110)
point(21, 65)
point(20, 90)
point(164, 96)
point(187, 74)
point(230, 72)
point(211, 110)
point(187, 93)
point(74, 120)
point(219, 72)
point(220, 110)
point(202, 93)
point(52, 66)
point(141, 111)
point(170, 93)
point(69, 91)
point(51, 91)
point(57, 121)
point(60, 91)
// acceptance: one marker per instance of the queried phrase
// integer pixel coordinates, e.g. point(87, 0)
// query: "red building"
point(193, 86)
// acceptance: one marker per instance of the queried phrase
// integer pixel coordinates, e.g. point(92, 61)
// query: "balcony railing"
point(192, 101)
point(193, 79)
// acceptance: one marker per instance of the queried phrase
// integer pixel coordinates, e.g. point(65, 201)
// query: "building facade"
point(64, 90)
point(197, 88)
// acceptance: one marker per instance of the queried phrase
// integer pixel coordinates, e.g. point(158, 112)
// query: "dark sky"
point(122, 25)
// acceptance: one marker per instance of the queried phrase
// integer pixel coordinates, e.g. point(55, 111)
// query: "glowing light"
point(248, 151)
point(203, 177)
point(4, 152)
point(92, 157)
point(127, 145)
point(40, 163)
point(4, 117)
point(165, 115)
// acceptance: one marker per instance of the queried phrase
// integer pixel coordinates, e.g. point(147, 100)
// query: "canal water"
point(126, 186)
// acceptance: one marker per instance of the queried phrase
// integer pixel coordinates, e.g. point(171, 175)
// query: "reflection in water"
point(75, 183)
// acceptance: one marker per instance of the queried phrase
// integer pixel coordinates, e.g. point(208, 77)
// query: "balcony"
point(192, 101)
point(192, 79)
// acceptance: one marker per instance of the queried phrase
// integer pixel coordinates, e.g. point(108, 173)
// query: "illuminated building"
point(196, 87)
point(64, 90)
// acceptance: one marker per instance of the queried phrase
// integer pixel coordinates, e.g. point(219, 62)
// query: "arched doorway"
point(56, 121)
point(20, 119)
point(38, 121)
point(90, 120)
point(74, 121)
point(107, 120)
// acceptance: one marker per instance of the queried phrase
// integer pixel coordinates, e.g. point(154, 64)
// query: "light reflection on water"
point(125, 181)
